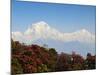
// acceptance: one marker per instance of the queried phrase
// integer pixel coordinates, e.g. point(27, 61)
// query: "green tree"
point(53, 51)
point(43, 68)
point(16, 67)
point(90, 61)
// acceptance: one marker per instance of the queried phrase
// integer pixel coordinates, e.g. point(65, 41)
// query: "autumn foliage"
point(36, 59)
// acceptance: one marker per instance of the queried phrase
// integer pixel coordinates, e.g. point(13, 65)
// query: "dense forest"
point(37, 59)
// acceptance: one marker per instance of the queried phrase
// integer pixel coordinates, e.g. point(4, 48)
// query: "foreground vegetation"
point(36, 59)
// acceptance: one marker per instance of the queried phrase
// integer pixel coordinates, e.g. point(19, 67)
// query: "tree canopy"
point(36, 59)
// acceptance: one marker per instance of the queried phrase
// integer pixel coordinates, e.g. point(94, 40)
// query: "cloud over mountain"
point(43, 30)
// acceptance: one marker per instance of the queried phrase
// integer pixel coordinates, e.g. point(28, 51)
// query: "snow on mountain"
point(43, 30)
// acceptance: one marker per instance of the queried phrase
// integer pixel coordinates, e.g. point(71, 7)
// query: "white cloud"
point(43, 30)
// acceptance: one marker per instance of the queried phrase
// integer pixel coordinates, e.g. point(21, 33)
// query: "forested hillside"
point(36, 59)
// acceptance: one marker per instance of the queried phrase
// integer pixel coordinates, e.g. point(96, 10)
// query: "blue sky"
point(64, 17)
point(60, 16)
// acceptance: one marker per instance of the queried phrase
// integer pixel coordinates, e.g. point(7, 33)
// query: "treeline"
point(37, 59)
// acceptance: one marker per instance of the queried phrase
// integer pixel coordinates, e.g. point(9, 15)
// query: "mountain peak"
point(84, 30)
point(42, 30)
point(40, 23)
